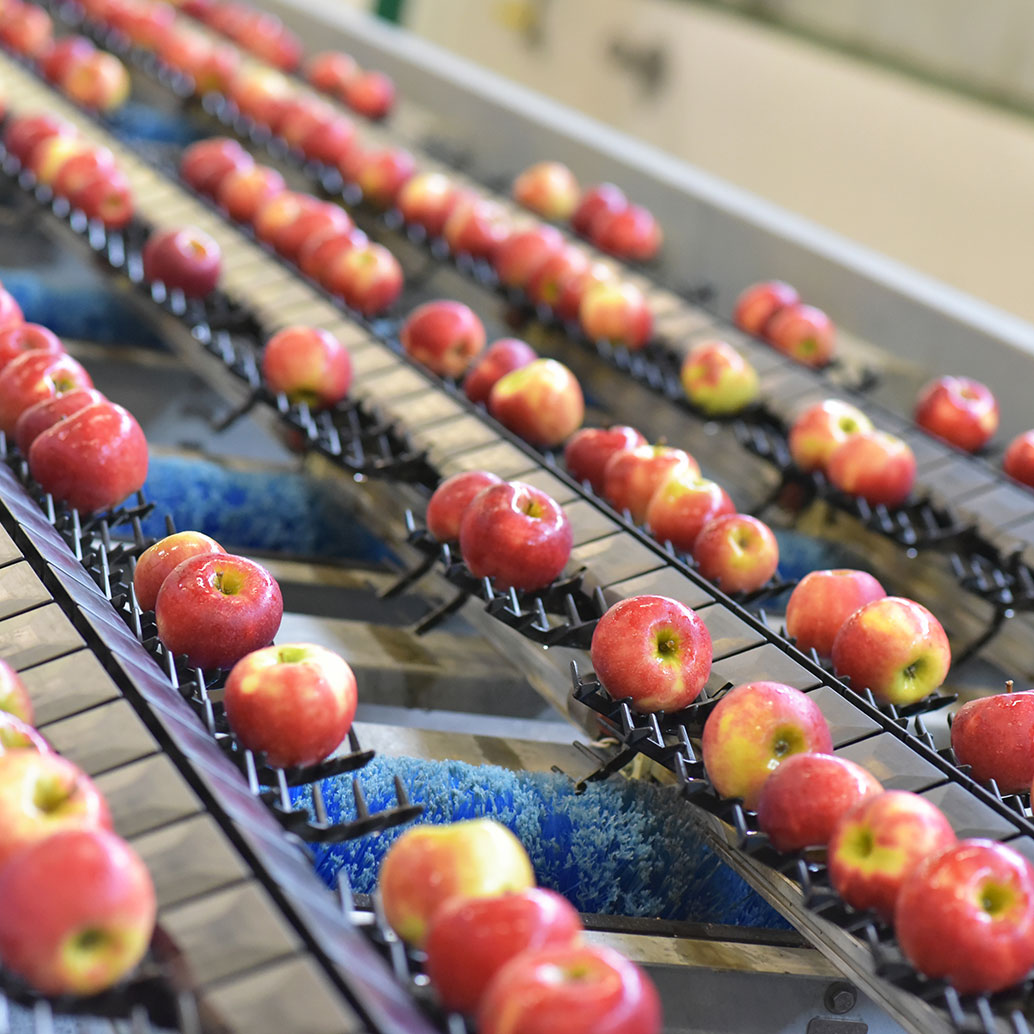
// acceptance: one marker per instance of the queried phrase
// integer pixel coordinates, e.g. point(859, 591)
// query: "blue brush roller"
point(623, 847)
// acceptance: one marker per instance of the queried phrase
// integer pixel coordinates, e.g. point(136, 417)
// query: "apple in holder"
point(42, 794)
point(187, 259)
point(516, 535)
point(330, 141)
point(471, 939)
point(822, 601)
point(879, 842)
point(736, 551)
point(817, 432)
point(549, 189)
point(450, 499)
point(19, 338)
point(547, 283)
point(429, 865)
point(159, 560)
point(803, 333)
point(616, 312)
point(321, 217)
point(51, 153)
point(77, 171)
point(106, 197)
point(18, 735)
point(760, 302)
point(632, 233)
point(519, 257)
point(958, 410)
point(500, 358)
point(807, 795)
point(14, 697)
point(277, 213)
point(654, 650)
point(367, 277)
point(62, 55)
point(878, 467)
point(26, 132)
point(589, 450)
point(79, 912)
point(444, 336)
point(330, 70)
point(216, 608)
point(753, 729)
point(10, 311)
point(605, 197)
point(573, 288)
point(99, 81)
point(895, 647)
point(994, 736)
point(294, 703)
point(261, 94)
point(966, 914)
point(682, 505)
point(717, 379)
point(319, 253)
point(242, 192)
point(207, 163)
point(382, 174)
point(43, 415)
point(27, 30)
point(632, 476)
point(308, 365)
point(427, 200)
point(370, 93)
point(300, 115)
point(33, 377)
point(1018, 461)
point(476, 227)
point(542, 402)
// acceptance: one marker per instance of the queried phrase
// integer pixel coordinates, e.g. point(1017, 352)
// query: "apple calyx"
point(227, 582)
point(667, 644)
point(292, 654)
point(786, 741)
point(996, 899)
point(532, 508)
point(49, 795)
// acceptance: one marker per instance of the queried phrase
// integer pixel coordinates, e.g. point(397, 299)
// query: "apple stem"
point(1008, 685)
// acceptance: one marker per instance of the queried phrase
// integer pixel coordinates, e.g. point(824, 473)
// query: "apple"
point(266, 36)
point(216, 68)
point(329, 71)
point(605, 197)
point(959, 410)
point(314, 219)
point(630, 233)
point(816, 432)
point(186, 259)
point(33, 377)
point(38, 417)
point(207, 163)
point(427, 199)
point(10, 311)
point(994, 736)
point(589, 450)
point(717, 379)
point(547, 283)
point(27, 30)
point(449, 500)
point(146, 24)
point(878, 467)
point(161, 558)
point(682, 505)
point(381, 175)
point(184, 50)
point(549, 189)
point(806, 796)
point(216, 608)
point(14, 697)
point(802, 332)
point(541, 402)
point(308, 365)
point(476, 227)
point(52, 152)
point(242, 192)
point(753, 729)
point(760, 302)
point(330, 141)
point(966, 915)
point(736, 551)
point(515, 534)
point(822, 601)
point(519, 257)
point(632, 476)
point(616, 312)
point(429, 865)
point(879, 842)
point(317, 255)
point(370, 93)
point(19, 338)
point(64, 53)
point(367, 277)
point(41, 794)
point(500, 358)
point(444, 336)
point(261, 94)
point(1018, 461)
point(300, 115)
point(577, 990)
point(277, 213)
point(106, 197)
point(24, 133)
point(18, 735)
point(80, 168)
point(294, 703)
point(79, 911)
point(99, 81)
point(471, 939)
point(654, 650)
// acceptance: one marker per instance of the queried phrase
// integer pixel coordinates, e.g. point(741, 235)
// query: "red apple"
point(1018, 461)
point(760, 302)
point(616, 312)
point(653, 649)
point(242, 192)
point(80, 168)
point(589, 450)
point(261, 94)
point(187, 259)
point(605, 197)
point(159, 560)
point(895, 647)
point(879, 842)
point(822, 601)
point(878, 467)
point(682, 505)
point(547, 283)
point(308, 365)
point(471, 939)
point(515, 534)
point(817, 432)
point(33, 377)
point(959, 410)
point(994, 736)
point(205, 164)
point(317, 218)
point(542, 402)
point(368, 278)
point(14, 697)
point(631, 233)
point(549, 189)
point(43, 415)
point(184, 49)
point(429, 865)
point(20, 338)
point(300, 115)
point(476, 227)
point(278, 212)
point(268, 39)
point(10, 311)
point(99, 81)
point(803, 333)
point(79, 911)
point(427, 200)
point(24, 133)
point(519, 257)
point(216, 68)
point(216, 608)
point(717, 379)
point(753, 729)
point(294, 703)
point(26, 30)
point(330, 141)
point(52, 152)
point(807, 795)
point(577, 990)
point(966, 914)
point(500, 358)
point(444, 336)
point(106, 197)
point(329, 71)
point(632, 476)
point(317, 255)
point(382, 174)
point(40, 795)
point(450, 499)
point(18, 735)
point(64, 53)
point(736, 551)
point(575, 288)
point(370, 93)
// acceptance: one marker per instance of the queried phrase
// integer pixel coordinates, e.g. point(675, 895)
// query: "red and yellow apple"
point(542, 402)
